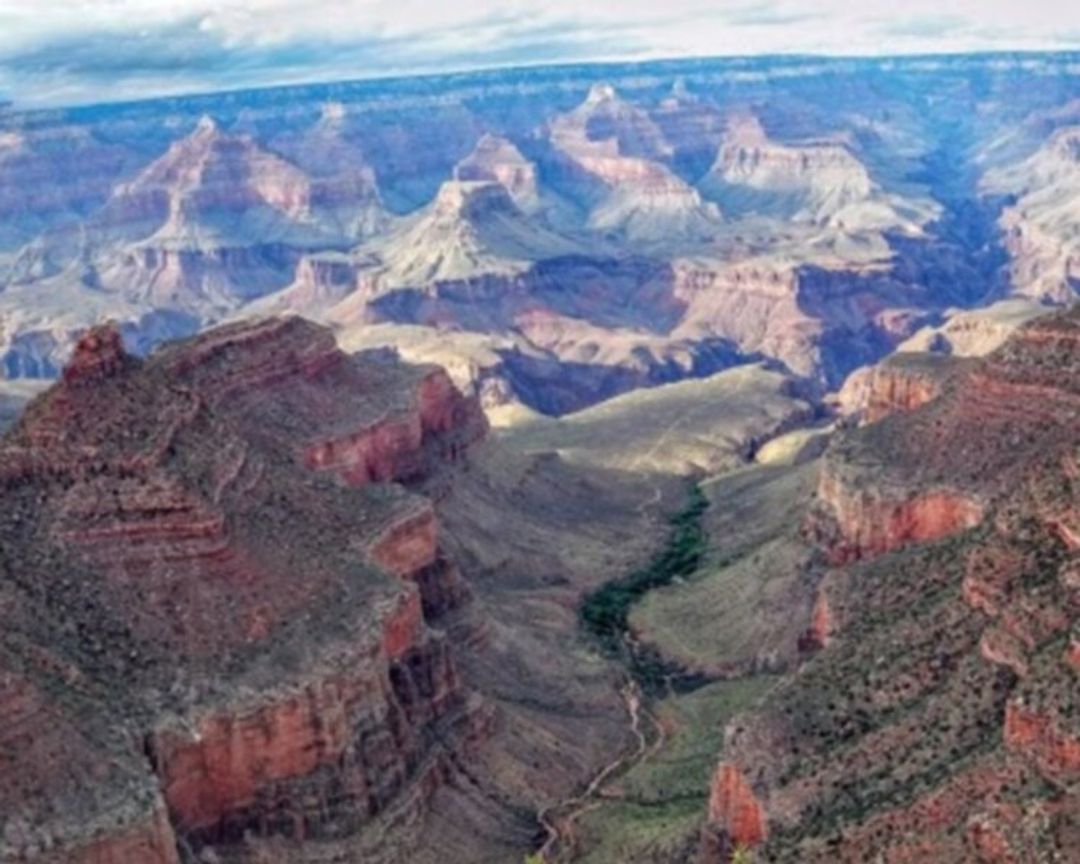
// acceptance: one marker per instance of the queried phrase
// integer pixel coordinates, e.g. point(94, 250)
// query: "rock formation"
point(206, 640)
point(472, 232)
point(736, 819)
point(620, 150)
point(943, 696)
point(344, 192)
point(497, 160)
point(823, 183)
point(586, 237)
point(903, 382)
point(1041, 227)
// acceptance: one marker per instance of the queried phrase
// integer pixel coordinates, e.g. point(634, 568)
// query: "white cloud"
point(48, 49)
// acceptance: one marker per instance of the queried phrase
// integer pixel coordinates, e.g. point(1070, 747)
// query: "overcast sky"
point(77, 51)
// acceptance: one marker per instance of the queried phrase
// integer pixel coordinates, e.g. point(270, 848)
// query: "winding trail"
point(559, 819)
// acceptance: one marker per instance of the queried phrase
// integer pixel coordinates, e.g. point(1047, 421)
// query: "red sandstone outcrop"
point(151, 843)
point(254, 635)
point(902, 383)
point(215, 770)
point(871, 521)
point(393, 447)
point(1040, 737)
point(97, 354)
point(822, 624)
point(734, 810)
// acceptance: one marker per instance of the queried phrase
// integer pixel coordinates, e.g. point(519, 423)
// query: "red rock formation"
point(263, 629)
point(496, 159)
point(215, 774)
point(407, 546)
point(990, 573)
point(938, 723)
point(97, 354)
point(821, 626)
point(1040, 738)
point(1001, 647)
point(895, 386)
point(392, 447)
point(871, 522)
point(1072, 655)
point(151, 843)
point(733, 808)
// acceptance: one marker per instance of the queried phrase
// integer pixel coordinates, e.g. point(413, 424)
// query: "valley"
point(739, 638)
point(643, 463)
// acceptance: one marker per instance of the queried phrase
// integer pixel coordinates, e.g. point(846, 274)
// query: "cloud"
point(63, 51)
point(927, 27)
point(769, 14)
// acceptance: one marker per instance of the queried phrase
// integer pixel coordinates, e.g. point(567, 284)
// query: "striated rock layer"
point(215, 611)
point(937, 717)
point(903, 382)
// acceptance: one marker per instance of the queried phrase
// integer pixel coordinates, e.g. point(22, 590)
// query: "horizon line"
point(10, 108)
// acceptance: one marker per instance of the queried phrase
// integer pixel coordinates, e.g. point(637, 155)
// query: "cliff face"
point(872, 521)
point(904, 382)
point(397, 446)
point(936, 717)
point(249, 635)
point(317, 761)
point(736, 818)
point(1039, 226)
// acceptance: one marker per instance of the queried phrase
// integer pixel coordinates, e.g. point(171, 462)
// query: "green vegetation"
point(742, 855)
point(605, 611)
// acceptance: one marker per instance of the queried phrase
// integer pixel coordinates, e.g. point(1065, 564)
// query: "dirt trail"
point(559, 820)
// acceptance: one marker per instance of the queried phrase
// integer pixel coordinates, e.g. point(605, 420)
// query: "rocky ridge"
point(196, 692)
point(936, 718)
point(1042, 220)
point(840, 233)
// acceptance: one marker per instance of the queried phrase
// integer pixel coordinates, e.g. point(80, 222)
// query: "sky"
point(63, 52)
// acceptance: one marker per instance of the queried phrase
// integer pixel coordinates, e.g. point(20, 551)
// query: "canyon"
point(620, 228)
point(661, 463)
point(934, 718)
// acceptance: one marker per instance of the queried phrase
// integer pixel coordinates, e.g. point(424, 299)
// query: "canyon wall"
point(263, 627)
point(938, 690)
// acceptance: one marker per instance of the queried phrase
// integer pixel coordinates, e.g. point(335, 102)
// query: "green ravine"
point(605, 611)
point(604, 614)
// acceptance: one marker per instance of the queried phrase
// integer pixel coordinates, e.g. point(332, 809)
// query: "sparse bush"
point(742, 855)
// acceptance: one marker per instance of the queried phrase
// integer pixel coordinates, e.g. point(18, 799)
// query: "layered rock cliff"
point(1039, 226)
point(821, 182)
point(902, 382)
point(936, 718)
point(618, 150)
point(457, 212)
point(206, 640)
